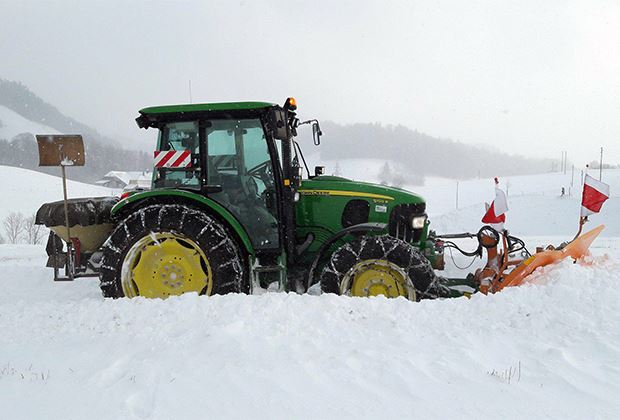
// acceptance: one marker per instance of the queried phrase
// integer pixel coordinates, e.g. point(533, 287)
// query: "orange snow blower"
point(509, 262)
point(575, 249)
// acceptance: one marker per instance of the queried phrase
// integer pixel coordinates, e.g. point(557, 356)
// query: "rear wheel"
point(379, 265)
point(165, 250)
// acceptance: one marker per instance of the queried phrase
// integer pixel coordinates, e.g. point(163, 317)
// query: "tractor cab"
point(240, 155)
point(233, 167)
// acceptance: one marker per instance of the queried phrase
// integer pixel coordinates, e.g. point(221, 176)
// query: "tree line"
point(19, 228)
point(422, 154)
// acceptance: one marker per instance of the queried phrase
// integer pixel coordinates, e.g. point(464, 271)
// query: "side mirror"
point(316, 133)
point(277, 120)
point(319, 170)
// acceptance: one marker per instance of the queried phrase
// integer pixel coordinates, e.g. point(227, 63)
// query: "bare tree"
point(337, 171)
point(33, 232)
point(398, 180)
point(14, 227)
point(385, 174)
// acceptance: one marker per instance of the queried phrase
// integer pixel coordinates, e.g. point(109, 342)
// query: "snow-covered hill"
point(12, 124)
point(24, 191)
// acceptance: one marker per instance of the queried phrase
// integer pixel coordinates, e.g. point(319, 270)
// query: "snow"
point(129, 178)
point(25, 190)
point(547, 349)
point(14, 124)
point(536, 207)
point(535, 204)
point(534, 215)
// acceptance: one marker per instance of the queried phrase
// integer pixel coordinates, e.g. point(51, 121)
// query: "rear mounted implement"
point(82, 224)
point(75, 249)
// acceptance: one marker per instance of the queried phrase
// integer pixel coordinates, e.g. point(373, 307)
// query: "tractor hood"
point(337, 186)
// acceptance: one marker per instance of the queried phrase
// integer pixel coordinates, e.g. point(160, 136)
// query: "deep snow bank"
point(546, 349)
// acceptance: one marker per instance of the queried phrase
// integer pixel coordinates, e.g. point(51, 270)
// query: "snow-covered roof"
point(126, 177)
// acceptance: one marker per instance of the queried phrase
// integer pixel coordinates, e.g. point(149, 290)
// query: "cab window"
point(179, 137)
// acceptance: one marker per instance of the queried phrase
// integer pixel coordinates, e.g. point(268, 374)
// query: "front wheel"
point(379, 265)
point(164, 250)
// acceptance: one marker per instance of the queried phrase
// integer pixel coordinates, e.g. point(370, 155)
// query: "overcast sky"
point(533, 77)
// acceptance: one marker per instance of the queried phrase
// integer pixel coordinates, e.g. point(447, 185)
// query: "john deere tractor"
point(230, 210)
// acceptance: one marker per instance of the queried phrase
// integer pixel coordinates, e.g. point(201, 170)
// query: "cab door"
point(238, 160)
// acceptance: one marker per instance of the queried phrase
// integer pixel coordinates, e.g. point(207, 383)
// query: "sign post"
point(62, 150)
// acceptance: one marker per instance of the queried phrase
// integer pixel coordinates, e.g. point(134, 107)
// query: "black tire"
point(218, 245)
point(398, 252)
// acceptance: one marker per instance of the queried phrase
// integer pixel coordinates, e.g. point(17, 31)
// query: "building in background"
point(126, 180)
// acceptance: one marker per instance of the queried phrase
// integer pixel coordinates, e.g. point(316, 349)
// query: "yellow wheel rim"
point(377, 277)
point(164, 264)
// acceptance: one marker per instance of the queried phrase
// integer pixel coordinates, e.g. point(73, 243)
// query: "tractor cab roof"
point(152, 116)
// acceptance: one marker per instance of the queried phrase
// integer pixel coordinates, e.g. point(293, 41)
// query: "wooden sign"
point(61, 150)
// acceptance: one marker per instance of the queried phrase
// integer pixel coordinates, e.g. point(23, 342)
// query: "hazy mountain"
point(103, 154)
point(422, 154)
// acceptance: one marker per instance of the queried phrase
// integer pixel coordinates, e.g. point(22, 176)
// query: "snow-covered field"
point(535, 202)
point(550, 349)
point(546, 350)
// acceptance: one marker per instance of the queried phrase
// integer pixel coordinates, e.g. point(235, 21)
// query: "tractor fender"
point(144, 198)
point(362, 227)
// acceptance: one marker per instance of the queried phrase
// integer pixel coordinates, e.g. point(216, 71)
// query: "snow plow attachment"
point(576, 249)
point(508, 261)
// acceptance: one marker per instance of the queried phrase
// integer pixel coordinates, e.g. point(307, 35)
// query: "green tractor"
point(230, 211)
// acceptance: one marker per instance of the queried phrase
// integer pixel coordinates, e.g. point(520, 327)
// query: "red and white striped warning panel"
point(173, 159)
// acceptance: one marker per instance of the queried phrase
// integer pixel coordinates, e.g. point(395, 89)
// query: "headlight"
point(417, 222)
